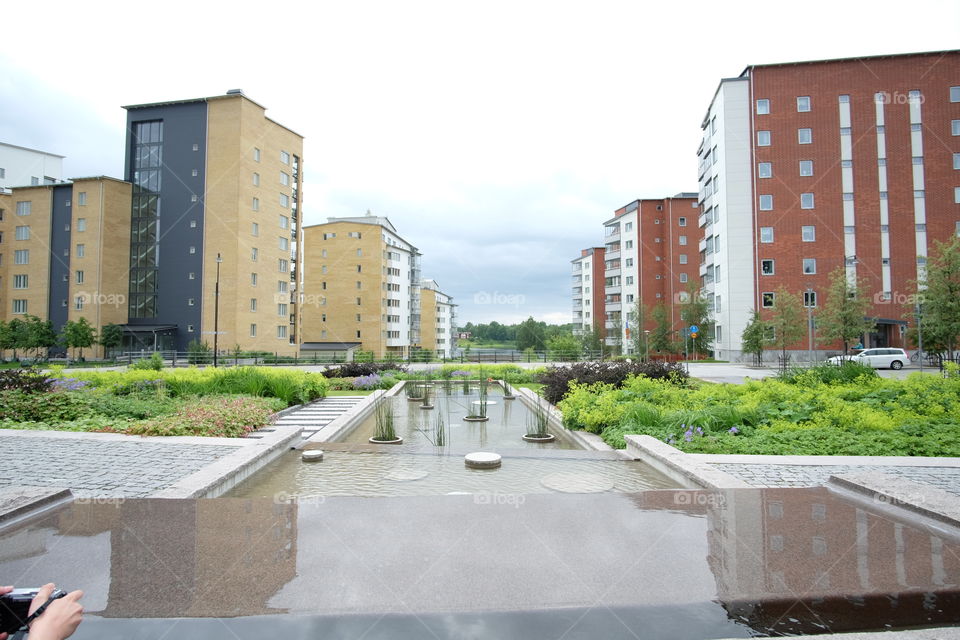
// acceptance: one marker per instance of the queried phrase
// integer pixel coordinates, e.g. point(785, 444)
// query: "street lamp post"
point(919, 337)
point(809, 302)
point(216, 312)
point(646, 345)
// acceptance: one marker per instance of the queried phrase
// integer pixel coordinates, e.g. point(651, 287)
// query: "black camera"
point(15, 607)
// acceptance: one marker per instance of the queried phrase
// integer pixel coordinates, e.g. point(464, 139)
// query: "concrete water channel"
point(562, 541)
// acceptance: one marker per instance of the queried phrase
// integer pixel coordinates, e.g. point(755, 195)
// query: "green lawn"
point(349, 392)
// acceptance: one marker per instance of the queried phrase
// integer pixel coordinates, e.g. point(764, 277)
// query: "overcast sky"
point(496, 136)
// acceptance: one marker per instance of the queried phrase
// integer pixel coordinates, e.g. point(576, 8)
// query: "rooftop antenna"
point(368, 213)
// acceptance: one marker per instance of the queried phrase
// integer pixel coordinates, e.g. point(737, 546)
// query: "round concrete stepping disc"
point(406, 475)
point(312, 455)
point(482, 460)
point(577, 482)
point(489, 402)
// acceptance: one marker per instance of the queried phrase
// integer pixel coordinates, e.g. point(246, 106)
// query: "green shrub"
point(153, 363)
point(53, 406)
point(229, 417)
point(25, 380)
point(828, 374)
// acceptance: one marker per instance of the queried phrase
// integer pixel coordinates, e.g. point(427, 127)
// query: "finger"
point(42, 596)
point(3, 636)
point(4, 590)
point(74, 595)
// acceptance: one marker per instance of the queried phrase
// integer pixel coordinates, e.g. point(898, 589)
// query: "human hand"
point(60, 619)
point(4, 591)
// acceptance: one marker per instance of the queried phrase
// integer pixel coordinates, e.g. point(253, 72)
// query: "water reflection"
point(782, 561)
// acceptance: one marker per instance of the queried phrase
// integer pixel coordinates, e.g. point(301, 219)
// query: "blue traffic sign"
point(694, 328)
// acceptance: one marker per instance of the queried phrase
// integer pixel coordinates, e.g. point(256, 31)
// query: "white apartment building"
point(23, 167)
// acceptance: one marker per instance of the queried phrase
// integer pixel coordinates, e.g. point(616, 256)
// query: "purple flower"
point(367, 382)
point(688, 435)
point(734, 430)
point(700, 431)
point(68, 384)
point(460, 374)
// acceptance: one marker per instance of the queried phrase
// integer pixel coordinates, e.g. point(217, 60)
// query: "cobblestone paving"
point(100, 468)
point(801, 475)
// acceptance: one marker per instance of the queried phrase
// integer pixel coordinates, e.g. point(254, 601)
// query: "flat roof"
point(873, 57)
point(46, 153)
point(237, 94)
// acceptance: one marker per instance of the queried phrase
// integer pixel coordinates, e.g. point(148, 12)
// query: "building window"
point(845, 131)
point(766, 234)
point(628, 244)
point(256, 179)
point(191, 302)
point(24, 208)
point(683, 277)
point(82, 198)
point(806, 167)
point(763, 138)
point(253, 279)
point(191, 276)
point(766, 267)
point(767, 299)
point(20, 281)
point(763, 107)
point(628, 226)
point(808, 233)
point(956, 161)
point(195, 173)
point(806, 201)
point(809, 266)
point(255, 204)
point(716, 304)
point(81, 250)
point(956, 195)
point(253, 305)
point(282, 309)
point(284, 243)
point(22, 233)
point(683, 258)
point(284, 222)
point(283, 265)
point(21, 256)
point(803, 103)
point(809, 298)
point(19, 306)
point(79, 277)
point(284, 200)
point(193, 250)
point(284, 179)
point(629, 280)
point(284, 157)
point(255, 229)
point(282, 286)
point(628, 262)
point(282, 331)
point(766, 202)
point(805, 136)
point(196, 147)
point(765, 170)
point(954, 94)
point(360, 302)
point(683, 240)
point(716, 273)
point(955, 127)
point(81, 224)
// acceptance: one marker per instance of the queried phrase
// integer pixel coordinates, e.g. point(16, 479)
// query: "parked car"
point(885, 358)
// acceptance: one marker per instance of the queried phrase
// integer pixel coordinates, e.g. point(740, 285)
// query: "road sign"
point(693, 334)
point(694, 328)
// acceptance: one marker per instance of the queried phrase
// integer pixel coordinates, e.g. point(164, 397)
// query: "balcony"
point(576, 279)
point(613, 306)
point(702, 245)
point(612, 237)
point(702, 220)
point(703, 268)
point(577, 291)
point(612, 290)
point(613, 255)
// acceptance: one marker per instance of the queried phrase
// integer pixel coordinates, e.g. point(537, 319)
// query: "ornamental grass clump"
point(539, 420)
point(384, 421)
point(214, 417)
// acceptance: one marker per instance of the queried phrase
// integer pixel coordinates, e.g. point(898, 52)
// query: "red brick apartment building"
point(805, 167)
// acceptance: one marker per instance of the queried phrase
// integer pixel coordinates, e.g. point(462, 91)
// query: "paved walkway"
point(99, 464)
point(789, 475)
point(319, 414)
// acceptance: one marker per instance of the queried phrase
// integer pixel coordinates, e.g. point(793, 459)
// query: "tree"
point(530, 335)
point(661, 338)
point(788, 320)
point(939, 293)
point(17, 330)
point(111, 337)
point(638, 320)
point(695, 311)
point(78, 334)
point(6, 338)
point(844, 316)
point(592, 339)
point(564, 347)
point(754, 336)
point(37, 335)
